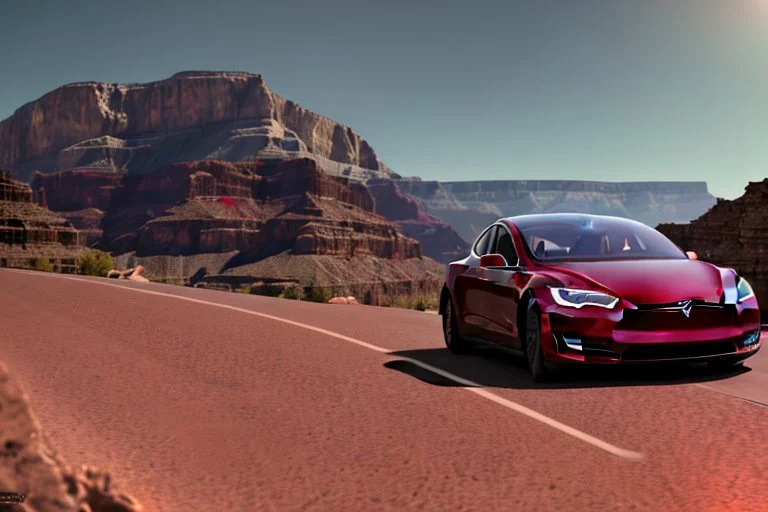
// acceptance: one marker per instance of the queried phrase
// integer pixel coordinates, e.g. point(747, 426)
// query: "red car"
point(573, 288)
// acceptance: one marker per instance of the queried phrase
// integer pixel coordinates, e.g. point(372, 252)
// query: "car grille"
point(677, 350)
point(652, 317)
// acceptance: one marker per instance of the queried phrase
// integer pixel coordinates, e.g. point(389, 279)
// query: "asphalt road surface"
point(203, 400)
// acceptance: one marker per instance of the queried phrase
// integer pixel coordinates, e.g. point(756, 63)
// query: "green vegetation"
point(309, 291)
point(96, 263)
point(320, 294)
point(293, 292)
point(267, 290)
point(43, 264)
point(419, 301)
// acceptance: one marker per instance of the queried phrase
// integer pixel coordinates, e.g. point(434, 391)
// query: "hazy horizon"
point(592, 90)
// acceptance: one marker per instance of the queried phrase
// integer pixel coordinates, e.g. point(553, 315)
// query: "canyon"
point(211, 177)
point(469, 206)
point(244, 223)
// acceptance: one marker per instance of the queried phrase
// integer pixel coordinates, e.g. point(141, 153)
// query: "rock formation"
point(732, 234)
point(29, 231)
point(235, 218)
point(438, 240)
point(30, 468)
point(469, 206)
point(110, 158)
point(190, 116)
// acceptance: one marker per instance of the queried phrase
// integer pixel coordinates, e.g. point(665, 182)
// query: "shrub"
point(267, 290)
point(319, 294)
point(96, 263)
point(292, 292)
point(419, 302)
point(43, 264)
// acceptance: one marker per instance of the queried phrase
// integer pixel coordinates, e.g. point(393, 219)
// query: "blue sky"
point(623, 90)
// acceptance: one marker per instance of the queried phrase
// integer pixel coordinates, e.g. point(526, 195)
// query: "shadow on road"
point(494, 367)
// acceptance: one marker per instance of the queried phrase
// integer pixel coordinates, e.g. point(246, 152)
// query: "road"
point(204, 400)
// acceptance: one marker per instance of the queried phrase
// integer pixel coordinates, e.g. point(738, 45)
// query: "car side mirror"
point(492, 260)
point(691, 255)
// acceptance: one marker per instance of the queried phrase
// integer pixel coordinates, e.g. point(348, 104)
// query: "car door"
point(504, 289)
point(471, 289)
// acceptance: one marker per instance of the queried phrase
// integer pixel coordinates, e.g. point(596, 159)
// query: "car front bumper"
point(600, 336)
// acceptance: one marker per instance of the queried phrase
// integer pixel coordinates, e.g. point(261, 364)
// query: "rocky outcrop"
point(246, 212)
point(203, 207)
point(438, 240)
point(131, 274)
point(732, 234)
point(469, 206)
point(31, 469)
point(29, 231)
point(190, 116)
point(75, 190)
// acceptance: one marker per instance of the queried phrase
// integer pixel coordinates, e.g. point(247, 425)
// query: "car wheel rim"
point(447, 324)
point(532, 338)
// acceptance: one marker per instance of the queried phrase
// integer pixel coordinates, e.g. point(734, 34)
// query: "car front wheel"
point(533, 351)
point(453, 341)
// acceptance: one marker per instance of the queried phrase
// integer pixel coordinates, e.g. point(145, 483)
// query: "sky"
point(613, 90)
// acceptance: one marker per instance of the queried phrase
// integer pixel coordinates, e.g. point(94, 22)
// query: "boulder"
point(45, 482)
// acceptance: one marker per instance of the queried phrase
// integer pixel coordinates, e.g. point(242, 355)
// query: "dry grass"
point(418, 301)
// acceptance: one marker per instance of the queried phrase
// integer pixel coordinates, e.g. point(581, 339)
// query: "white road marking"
point(732, 394)
point(468, 385)
point(509, 404)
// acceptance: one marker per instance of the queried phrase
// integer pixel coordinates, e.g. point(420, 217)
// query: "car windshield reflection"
point(596, 238)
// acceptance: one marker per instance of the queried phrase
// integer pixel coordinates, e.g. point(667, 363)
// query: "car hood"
point(650, 281)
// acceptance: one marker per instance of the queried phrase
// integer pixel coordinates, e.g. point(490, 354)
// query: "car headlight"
point(743, 290)
point(579, 298)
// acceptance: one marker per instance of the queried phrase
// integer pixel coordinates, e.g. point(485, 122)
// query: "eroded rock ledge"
point(732, 234)
point(28, 466)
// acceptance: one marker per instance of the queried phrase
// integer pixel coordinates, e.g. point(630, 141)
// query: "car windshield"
point(595, 238)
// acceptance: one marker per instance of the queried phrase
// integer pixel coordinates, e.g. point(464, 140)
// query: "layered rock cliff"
point(190, 116)
point(438, 240)
point(90, 148)
point(29, 231)
point(227, 218)
point(732, 234)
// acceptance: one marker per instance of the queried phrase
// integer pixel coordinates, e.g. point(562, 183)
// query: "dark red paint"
point(490, 301)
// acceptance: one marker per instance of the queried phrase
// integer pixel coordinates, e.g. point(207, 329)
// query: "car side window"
point(485, 242)
point(506, 247)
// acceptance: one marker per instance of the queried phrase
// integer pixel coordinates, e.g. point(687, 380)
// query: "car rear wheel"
point(453, 341)
point(533, 350)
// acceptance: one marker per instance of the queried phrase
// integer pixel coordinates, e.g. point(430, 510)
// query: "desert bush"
point(419, 302)
point(267, 290)
point(43, 264)
point(292, 292)
point(96, 263)
point(320, 294)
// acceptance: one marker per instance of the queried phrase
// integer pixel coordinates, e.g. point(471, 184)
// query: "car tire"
point(453, 341)
point(534, 354)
